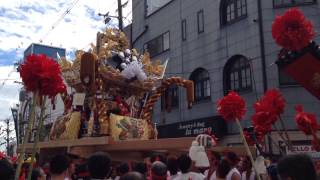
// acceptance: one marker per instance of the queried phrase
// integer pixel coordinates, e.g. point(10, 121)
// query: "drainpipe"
point(263, 60)
point(262, 47)
point(131, 45)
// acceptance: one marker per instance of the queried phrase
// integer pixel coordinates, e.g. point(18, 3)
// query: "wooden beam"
point(90, 141)
point(86, 146)
point(150, 145)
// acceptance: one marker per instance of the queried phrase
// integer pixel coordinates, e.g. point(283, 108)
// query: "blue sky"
point(25, 21)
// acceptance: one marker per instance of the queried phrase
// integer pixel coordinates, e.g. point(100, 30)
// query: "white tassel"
point(201, 158)
point(134, 69)
point(193, 150)
point(127, 60)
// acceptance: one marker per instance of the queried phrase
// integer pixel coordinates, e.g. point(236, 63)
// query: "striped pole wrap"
point(166, 83)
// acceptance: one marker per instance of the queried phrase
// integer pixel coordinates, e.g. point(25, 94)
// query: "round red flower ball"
point(42, 74)
point(232, 107)
point(262, 122)
point(2, 155)
point(272, 103)
point(292, 30)
point(306, 122)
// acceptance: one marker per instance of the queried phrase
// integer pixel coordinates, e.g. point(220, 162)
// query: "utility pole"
point(120, 15)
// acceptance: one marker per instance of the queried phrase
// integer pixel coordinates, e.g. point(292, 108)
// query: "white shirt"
point(212, 177)
point(231, 172)
point(190, 176)
point(244, 177)
point(174, 176)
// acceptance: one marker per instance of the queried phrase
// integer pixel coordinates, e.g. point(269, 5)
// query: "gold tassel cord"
point(147, 110)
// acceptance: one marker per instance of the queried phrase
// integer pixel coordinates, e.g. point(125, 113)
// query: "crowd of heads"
point(100, 166)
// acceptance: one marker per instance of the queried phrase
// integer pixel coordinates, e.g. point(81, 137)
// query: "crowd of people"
point(223, 166)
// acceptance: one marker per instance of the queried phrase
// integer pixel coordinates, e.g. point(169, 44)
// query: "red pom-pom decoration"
point(42, 74)
point(14, 159)
point(232, 107)
point(306, 122)
point(292, 30)
point(2, 155)
point(262, 122)
point(273, 103)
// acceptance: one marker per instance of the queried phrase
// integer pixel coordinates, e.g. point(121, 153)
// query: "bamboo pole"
point(286, 133)
point(281, 135)
point(247, 149)
point(35, 144)
point(277, 145)
point(26, 136)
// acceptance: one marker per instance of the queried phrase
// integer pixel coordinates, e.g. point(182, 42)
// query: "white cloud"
point(29, 21)
point(9, 90)
point(9, 95)
point(25, 21)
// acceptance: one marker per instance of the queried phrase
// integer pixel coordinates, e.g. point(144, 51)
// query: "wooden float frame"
point(131, 150)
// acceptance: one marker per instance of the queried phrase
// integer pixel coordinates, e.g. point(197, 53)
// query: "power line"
point(5, 80)
point(132, 9)
point(8, 79)
point(126, 17)
point(130, 12)
point(67, 11)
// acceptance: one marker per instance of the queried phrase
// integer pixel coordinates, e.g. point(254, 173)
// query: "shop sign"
point(193, 128)
point(305, 147)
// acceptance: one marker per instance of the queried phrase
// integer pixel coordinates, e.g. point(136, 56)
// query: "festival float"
point(108, 99)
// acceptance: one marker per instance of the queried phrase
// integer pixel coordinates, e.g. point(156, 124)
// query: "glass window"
point(238, 74)
point(286, 3)
point(184, 29)
point(166, 41)
point(200, 18)
point(158, 45)
point(232, 10)
point(170, 99)
point(155, 46)
point(154, 5)
point(201, 81)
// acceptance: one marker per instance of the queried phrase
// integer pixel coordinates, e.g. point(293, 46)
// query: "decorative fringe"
point(134, 69)
point(201, 158)
point(193, 150)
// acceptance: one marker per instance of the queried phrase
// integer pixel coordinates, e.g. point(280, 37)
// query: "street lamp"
point(107, 17)
point(18, 82)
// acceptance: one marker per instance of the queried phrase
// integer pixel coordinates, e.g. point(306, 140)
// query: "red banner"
point(305, 70)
